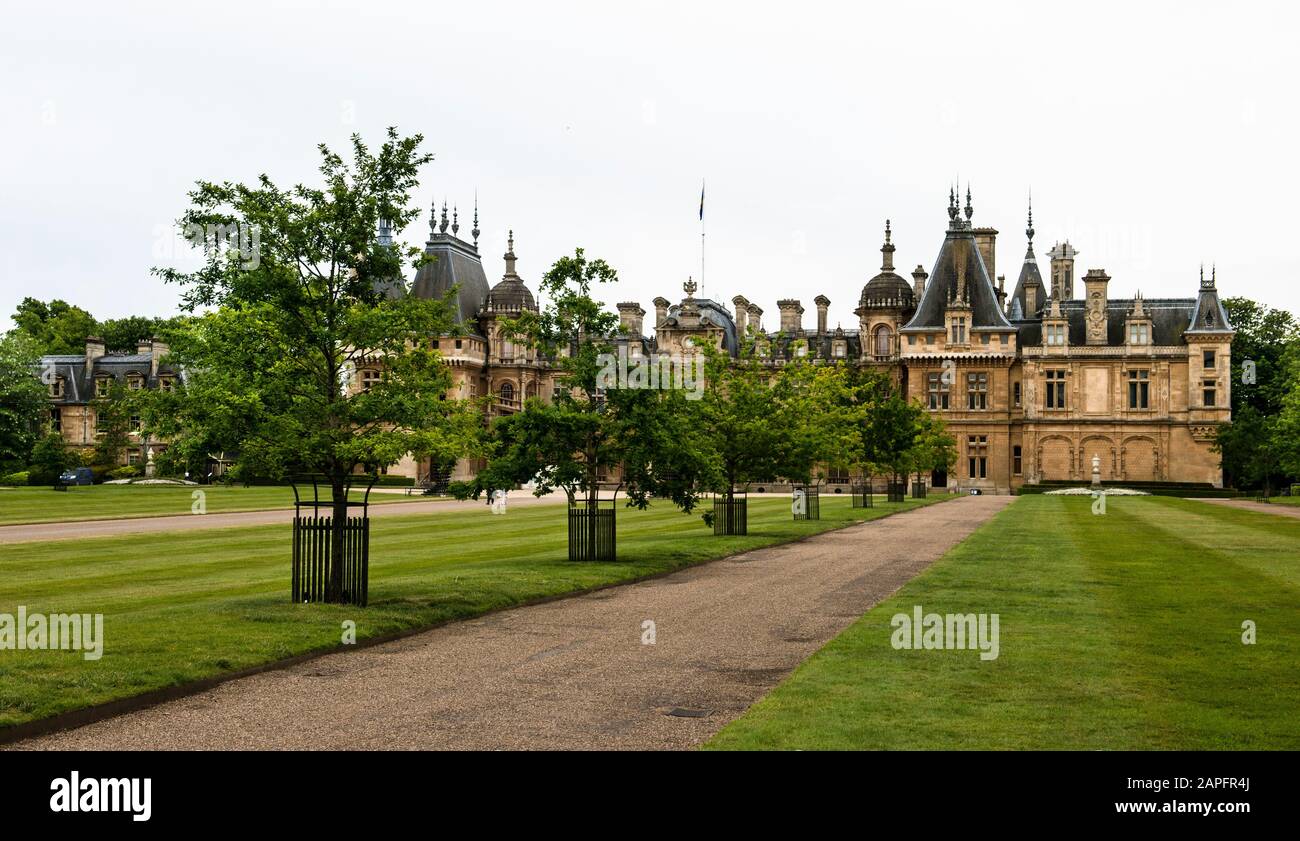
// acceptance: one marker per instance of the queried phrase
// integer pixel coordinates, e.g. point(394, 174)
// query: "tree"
point(50, 457)
point(113, 427)
point(125, 334)
point(889, 431)
point(932, 447)
point(1284, 441)
point(300, 313)
point(57, 327)
point(23, 409)
point(588, 428)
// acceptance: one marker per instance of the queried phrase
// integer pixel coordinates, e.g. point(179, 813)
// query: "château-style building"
point(1032, 385)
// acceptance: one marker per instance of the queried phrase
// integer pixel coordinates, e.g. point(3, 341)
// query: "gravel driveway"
point(573, 673)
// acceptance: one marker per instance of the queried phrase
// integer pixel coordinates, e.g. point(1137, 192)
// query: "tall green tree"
point(57, 327)
point(23, 404)
point(113, 425)
point(50, 457)
point(298, 315)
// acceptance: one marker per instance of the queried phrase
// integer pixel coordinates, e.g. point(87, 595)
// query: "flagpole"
point(701, 236)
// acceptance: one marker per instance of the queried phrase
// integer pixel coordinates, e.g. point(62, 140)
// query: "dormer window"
point(1139, 333)
point(102, 385)
point(958, 333)
point(166, 384)
point(1054, 335)
point(134, 381)
point(801, 349)
point(57, 387)
point(369, 379)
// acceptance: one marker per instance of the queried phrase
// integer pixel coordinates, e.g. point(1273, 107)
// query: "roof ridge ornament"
point(455, 221)
point(970, 211)
point(475, 231)
point(442, 225)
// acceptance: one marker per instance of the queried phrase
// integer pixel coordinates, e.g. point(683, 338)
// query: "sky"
point(1154, 136)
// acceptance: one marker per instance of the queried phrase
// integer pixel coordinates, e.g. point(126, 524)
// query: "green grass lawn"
point(179, 607)
point(112, 502)
point(1117, 631)
point(1285, 500)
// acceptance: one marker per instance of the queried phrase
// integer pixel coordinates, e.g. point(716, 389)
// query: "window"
point(166, 384)
point(929, 338)
point(977, 456)
point(133, 457)
point(884, 341)
point(459, 344)
point(1015, 394)
point(434, 344)
point(56, 420)
point(1055, 389)
point(507, 393)
point(136, 424)
point(1139, 390)
point(911, 340)
point(840, 349)
point(977, 391)
point(938, 391)
point(1015, 459)
point(958, 331)
point(56, 387)
point(984, 338)
point(1208, 397)
point(102, 385)
point(1207, 361)
point(801, 349)
point(369, 379)
point(1137, 334)
point(135, 382)
point(1054, 334)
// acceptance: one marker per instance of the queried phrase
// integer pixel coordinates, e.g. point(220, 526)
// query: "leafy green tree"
point(23, 409)
point(274, 369)
point(124, 335)
point(932, 447)
point(1284, 435)
point(113, 425)
point(50, 457)
point(57, 327)
point(889, 431)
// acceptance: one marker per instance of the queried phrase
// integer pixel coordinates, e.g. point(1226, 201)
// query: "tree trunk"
point(339, 520)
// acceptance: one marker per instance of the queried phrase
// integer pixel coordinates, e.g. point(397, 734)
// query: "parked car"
point(77, 476)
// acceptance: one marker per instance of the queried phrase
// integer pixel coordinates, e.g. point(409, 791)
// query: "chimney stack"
point(1095, 283)
point(94, 350)
point(661, 310)
point(630, 317)
point(791, 315)
point(822, 303)
point(919, 276)
point(1063, 255)
point(742, 310)
point(756, 317)
point(986, 240)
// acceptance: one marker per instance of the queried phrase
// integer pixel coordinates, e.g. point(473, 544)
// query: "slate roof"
point(1169, 318)
point(510, 293)
point(456, 265)
point(79, 385)
point(942, 286)
point(1030, 277)
point(714, 314)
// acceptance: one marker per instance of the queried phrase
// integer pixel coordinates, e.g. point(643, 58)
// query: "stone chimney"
point(630, 316)
point(822, 303)
point(1095, 283)
point(919, 276)
point(742, 311)
point(756, 317)
point(986, 240)
point(1002, 292)
point(791, 315)
point(661, 309)
point(1063, 255)
point(94, 350)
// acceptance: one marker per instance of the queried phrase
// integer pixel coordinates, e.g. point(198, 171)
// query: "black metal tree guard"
point(592, 534)
point(313, 542)
point(918, 489)
point(862, 493)
point(811, 501)
point(731, 515)
point(895, 491)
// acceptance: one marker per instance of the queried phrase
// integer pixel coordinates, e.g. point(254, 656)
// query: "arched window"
point(884, 341)
point(507, 392)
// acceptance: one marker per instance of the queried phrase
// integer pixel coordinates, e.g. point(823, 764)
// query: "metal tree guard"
point(591, 525)
point(862, 493)
point(811, 501)
point(313, 542)
point(895, 491)
point(731, 516)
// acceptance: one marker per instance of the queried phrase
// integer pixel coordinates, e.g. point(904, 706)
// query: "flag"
point(701, 201)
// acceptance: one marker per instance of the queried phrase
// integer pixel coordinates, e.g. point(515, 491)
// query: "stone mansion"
point(1031, 384)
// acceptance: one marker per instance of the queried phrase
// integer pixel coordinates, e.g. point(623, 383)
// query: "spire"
point(475, 231)
point(888, 251)
point(433, 218)
point(442, 226)
point(385, 232)
point(969, 210)
point(1029, 231)
point(455, 221)
point(510, 254)
point(952, 203)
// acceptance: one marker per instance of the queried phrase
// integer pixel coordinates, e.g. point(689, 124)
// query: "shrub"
point(18, 478)
point(100, 472)
point(50, 457)
point(128, 472)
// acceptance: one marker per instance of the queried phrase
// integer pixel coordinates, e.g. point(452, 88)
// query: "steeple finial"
point(455, 221)
point(433, 218)
point(475, 231)
point(969, 210)
point(385, 232)
point(888, 251)
point(1029, 231)
point(689, 287)
point(510, 253)
point(442, 225)
point(952, 203)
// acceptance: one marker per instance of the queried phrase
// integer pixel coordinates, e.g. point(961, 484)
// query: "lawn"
point(112, 502)
point(180, 607)
point(1119, 631)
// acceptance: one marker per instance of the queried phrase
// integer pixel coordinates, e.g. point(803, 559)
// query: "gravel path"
point(1250, 505)
point(572, 673)
point(194, 522)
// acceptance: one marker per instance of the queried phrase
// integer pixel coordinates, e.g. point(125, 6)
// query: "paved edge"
point(1276, 509)
point(73, 719)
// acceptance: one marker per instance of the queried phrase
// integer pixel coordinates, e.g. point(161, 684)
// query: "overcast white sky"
point(1154, 136)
